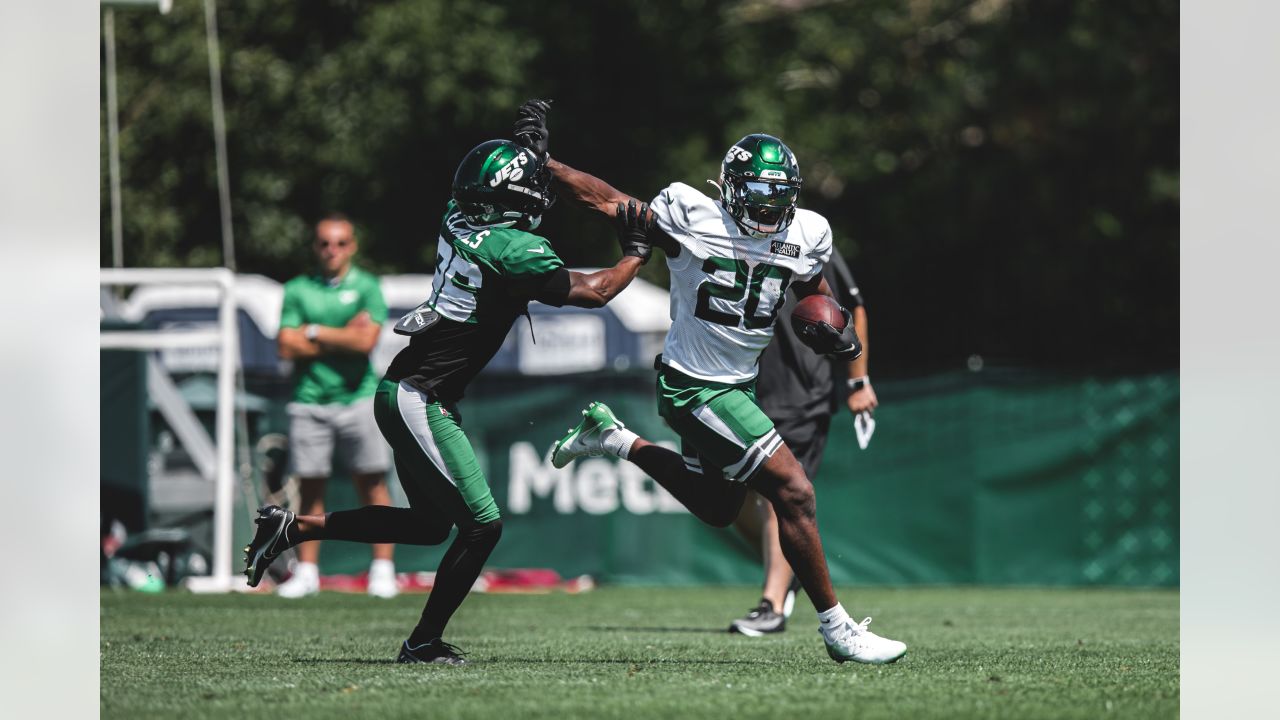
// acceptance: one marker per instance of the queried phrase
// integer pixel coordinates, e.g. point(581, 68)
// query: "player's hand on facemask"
point(632, 224)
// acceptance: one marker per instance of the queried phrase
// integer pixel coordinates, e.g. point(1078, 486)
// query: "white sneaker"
point(585, 440)
point(382, 579)
point(789, 602)
point(853, 641)
point(304, 581)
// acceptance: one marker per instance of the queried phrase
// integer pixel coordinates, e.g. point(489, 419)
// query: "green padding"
point(992, 477)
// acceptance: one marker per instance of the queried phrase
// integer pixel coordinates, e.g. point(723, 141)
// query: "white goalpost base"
point(226, 339)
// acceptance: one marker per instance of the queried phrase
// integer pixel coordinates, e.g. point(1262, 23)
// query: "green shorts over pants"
point(722, 429)
point(438, 468)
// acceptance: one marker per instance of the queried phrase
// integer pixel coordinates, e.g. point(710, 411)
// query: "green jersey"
point(485, 278)
point(339, 377)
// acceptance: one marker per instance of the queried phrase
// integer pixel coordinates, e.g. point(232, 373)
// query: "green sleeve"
point(291, 310)
point(528, 263)
point(373, 300)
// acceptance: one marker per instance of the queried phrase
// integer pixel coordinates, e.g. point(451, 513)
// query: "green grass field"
point(637, 652)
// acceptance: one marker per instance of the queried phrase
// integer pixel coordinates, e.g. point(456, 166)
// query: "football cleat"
point(762, 620)
point(436, 652)
point(853, 641)
point(271, 539)
point(585, 439)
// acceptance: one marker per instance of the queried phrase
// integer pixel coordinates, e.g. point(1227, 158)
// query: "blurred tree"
point(1002, 174)
point(338, 105)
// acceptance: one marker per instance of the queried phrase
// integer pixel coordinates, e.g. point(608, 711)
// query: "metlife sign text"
point(596, 486)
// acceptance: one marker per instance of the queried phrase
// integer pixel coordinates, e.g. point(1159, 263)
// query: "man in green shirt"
point(489, 267)
point(328, 326)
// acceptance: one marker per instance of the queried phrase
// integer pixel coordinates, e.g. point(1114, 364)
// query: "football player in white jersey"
point(731, 261)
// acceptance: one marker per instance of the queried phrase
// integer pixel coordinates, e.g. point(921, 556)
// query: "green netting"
point(1000, 477)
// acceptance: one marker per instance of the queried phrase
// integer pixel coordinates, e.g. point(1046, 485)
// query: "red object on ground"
point(519, 580)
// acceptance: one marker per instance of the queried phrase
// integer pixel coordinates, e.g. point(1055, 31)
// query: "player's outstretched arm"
point(593, 290)
point(633, 223)
point(582, 189)
point(586, 190)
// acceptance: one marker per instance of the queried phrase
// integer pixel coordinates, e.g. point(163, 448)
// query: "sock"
point(382, 566)
point(833, 617)
point(380, 524)
point(306, 569)
point(618, 441)
point(459, 568)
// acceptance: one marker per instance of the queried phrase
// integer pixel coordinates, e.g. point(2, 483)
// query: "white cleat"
point(382, 579)
point(853, 641)
point(305, 581)
point(585, 439)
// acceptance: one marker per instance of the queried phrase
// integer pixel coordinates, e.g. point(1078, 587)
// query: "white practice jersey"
point(726, 286)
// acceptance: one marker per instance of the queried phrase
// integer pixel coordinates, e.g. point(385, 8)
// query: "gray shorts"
point(316, 431)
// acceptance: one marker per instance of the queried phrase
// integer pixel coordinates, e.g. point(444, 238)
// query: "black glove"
point(531, 127)
point(633, 223)
point(826, 340)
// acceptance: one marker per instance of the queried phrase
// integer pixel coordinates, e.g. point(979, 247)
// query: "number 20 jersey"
point(726, 286)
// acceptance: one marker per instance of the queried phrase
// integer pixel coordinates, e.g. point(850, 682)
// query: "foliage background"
point(1002, 175)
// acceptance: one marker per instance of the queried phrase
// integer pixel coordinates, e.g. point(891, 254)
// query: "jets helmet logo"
point(512, 171)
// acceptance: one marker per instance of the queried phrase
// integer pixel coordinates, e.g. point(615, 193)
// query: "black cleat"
point(436, 652)
point(271, 539)
point(760, 621)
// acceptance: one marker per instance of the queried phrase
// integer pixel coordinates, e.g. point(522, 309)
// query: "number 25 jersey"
point(726, 286)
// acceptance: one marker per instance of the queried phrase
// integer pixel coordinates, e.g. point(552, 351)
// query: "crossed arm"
point(358, 337)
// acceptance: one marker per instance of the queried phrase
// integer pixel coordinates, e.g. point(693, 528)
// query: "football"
point(816, 309)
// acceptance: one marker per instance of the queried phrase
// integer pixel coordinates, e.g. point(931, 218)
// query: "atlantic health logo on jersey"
point(781, 247)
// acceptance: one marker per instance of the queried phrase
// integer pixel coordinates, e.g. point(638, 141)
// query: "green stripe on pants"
point(437, 466)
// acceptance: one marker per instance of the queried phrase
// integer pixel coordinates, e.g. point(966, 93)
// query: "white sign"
point(189, 359)
point(565, 344)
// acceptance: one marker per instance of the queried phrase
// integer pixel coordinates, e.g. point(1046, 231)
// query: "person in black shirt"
point(800, 390)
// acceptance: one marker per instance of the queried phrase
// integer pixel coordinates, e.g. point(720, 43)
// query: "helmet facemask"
point(760, 207)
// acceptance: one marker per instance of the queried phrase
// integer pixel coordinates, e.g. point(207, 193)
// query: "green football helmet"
point(760, 184)
point(502, 184)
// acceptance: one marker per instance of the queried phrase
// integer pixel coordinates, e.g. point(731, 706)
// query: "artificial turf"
point(642, 652)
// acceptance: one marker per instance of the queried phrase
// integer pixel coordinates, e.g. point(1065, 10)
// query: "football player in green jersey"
point(489, 267)
point(731, 261)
